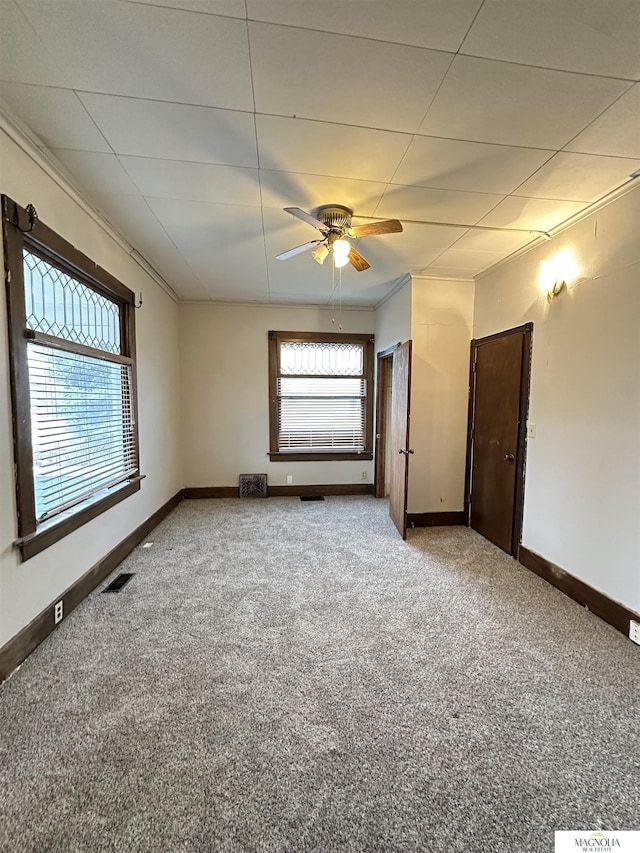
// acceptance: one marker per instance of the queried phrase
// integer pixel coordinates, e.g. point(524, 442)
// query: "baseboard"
point(18, 649)
point(436, 519)
point(281, 491)
point(596, 602)
point(198, 492)
point(321, 489)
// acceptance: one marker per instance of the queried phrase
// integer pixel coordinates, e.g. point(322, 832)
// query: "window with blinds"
point(73, 384)
point(320, 395)
point(82, 424)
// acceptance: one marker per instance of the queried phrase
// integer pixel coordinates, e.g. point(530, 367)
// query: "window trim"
point(275, 339)
point(47, 244)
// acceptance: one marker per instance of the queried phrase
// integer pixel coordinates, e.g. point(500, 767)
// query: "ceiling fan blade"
point(356, 260)
point(387, 226)
point(298, 249)
point(306, 217)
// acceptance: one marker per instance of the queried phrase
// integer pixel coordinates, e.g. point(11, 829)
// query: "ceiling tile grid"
point(190, 124)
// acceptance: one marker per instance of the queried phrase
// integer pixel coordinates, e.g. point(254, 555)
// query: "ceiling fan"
point(334, 222)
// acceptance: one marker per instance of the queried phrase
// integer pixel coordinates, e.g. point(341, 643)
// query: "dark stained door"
point(498, 416)
point(399, 469)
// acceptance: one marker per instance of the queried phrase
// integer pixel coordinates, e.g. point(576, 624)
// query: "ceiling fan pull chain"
point(333, 291)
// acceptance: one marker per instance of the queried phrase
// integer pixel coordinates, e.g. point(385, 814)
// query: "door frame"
point(383, 359)
point(526, 330)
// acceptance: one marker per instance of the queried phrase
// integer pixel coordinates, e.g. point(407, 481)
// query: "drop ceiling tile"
point(24, 57)
point(449, 272)
point(485, 101)
point(222, 243)
point(212, 226)
point(578, 177)
point(56, 116)
point(174, 131)
point(430, 23)
point(450, 164)
point(101, 173)
point(300, 277)
point(301, 73)
point(535, 213)
point(616, 132)
point(431, 238)
point(435, 205)
point(193, 181)
point(229, 8)
point(291, 189)
point(134, 220)
point(501, 242)
point(589, 36)
point(463, 260)
point(319, 148)
point(393, 259)
point(148, 51)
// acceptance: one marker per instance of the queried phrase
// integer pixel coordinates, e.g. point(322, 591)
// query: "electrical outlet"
point(289, 479)
point(364, 475)
point(57, 612)
point(634, 631)
point(531, 431)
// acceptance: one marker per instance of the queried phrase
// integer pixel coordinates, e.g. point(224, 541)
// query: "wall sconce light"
point(555, 289)
point(557, 272)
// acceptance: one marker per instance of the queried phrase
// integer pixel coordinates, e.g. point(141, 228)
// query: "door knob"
point(509, 457)
point(405, 451)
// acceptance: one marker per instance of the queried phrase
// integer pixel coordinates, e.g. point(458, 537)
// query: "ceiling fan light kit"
point(334, 222)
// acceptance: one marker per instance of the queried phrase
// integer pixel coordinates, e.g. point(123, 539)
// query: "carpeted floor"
point(289, 676)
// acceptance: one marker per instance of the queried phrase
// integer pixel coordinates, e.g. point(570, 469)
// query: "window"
point(321, 400)
point(72, 355)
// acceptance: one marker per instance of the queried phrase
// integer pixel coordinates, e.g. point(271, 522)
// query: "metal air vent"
point(253, 486)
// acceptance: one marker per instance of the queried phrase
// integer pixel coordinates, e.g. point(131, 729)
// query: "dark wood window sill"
point(54, 531)
point(330, 456)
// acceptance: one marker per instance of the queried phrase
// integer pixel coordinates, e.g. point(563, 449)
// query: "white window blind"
point(82, 425)
point(321, 397)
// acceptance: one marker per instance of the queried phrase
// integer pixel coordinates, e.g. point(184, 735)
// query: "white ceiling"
point(190, 124)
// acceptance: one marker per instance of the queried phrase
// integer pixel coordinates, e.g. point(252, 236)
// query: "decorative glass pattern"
point(331, 359)
point(58, 305)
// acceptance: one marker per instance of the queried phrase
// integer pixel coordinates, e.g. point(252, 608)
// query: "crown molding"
point(20, 135)
point(298, 305)
point(603, 202)
point(399, 284)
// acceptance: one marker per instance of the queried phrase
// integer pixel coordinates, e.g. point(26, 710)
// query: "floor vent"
point(311, 498)
point(117, 584)
point(253, 486)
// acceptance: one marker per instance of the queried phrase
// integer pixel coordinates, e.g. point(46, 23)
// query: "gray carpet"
point(288, 676)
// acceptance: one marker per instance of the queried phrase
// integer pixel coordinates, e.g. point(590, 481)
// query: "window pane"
point(82, 426)
point(321, 414)
point(332, 359)
point(57, 304)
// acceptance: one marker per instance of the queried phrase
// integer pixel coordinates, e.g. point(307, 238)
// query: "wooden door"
point(498, 412)
point(401, 384)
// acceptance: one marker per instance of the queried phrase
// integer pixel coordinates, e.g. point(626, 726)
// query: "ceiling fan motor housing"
point(336, 217)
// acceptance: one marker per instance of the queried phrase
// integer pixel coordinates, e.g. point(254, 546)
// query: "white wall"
point(582, 492)
point(441, 323)
point(27, 588)
point(225, 393)
point(393, 319)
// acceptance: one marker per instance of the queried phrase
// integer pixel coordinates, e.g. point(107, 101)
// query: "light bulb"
point(320, 253)
point(341, 249)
